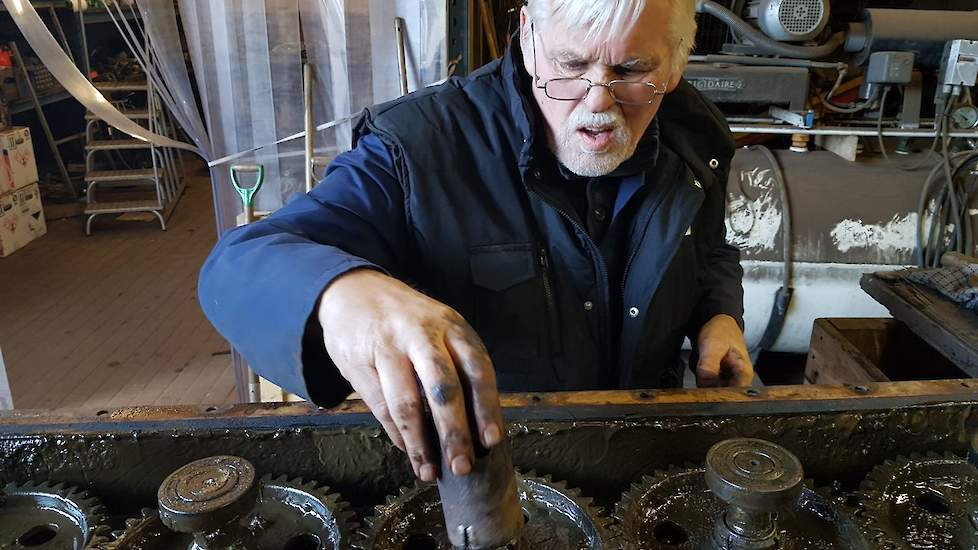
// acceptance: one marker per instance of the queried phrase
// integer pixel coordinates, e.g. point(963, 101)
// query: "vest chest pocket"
point(510, 305)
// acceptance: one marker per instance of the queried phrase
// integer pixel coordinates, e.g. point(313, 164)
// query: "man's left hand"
point(724, 360)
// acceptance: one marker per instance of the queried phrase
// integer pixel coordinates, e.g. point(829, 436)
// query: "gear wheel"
point(290, 514)
point(922, 501)
point(675, 508)
point(55, 515)
point(556, 518)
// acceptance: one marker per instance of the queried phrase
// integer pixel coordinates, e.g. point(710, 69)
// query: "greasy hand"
point(724, 360)
point(384, 337)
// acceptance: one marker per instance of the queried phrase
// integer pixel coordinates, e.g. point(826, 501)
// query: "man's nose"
point(599, 99)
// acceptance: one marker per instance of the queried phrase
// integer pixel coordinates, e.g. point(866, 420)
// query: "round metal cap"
point(753, 474)
point(207, 494)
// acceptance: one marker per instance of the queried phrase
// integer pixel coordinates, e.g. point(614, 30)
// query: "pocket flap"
point(499, 267)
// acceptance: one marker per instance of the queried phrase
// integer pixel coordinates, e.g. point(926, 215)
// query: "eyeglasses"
point(626, 92)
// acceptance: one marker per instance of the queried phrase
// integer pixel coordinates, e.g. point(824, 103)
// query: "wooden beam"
point(948, 327)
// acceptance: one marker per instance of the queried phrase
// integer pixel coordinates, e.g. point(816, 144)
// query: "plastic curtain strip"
point(242, 100)
point(57, 61)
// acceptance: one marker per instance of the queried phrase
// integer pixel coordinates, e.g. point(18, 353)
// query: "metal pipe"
point(482, 509)
point(843, 131)
point(310, 130)
point(765, 61)
point(399, 25)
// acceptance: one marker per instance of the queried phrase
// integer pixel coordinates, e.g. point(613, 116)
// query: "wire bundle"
point(949, 228)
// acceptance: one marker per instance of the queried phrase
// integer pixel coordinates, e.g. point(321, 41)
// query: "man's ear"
point(524, 22)
point(675, 78)
point(525, 30)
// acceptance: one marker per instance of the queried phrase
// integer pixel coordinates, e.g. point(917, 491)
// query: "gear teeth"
point(382, 513)
point(340, 511)
point(874, 506)
point(86, 505)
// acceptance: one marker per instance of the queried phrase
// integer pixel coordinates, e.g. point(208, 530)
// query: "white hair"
point(604, 19)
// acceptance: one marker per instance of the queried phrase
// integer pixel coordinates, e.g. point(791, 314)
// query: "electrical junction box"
point(961, 63)
point(890, 68)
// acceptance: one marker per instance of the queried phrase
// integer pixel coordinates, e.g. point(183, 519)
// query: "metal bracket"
point(801, 120)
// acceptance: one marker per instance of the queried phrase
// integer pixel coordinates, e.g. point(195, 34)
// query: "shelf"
point(94, 17)
point(22, 105)
point(120, 86)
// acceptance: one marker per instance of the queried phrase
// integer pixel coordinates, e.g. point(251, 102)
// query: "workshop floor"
point(112, 319)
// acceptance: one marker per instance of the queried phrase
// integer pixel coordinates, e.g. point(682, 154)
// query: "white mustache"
point(582, 118)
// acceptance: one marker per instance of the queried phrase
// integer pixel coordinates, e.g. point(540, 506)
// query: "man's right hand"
point(384, 337)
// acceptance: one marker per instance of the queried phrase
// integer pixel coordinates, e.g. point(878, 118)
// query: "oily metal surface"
point(207, 494)
point(599, 444)
point(556, 518)
point(753, 473)
point(675, 509)
point(49, 517)
point(922, 502)
point(288, 514)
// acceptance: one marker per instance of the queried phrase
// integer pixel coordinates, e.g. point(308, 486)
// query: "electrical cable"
point(827, 98)
point(950, 208)
point(882, 144)
point(782, 297)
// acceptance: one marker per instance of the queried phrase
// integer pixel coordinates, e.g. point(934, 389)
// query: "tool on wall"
point(309, 125)
point(399, 25)
point(248, 193)
point(248, 204)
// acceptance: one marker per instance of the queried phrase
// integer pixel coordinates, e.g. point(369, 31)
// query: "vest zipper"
point(602, 271)
point(554, 331)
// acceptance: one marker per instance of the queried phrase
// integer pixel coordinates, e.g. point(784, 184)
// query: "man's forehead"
point(632, 48)
point(591, 57)
point(607, 53)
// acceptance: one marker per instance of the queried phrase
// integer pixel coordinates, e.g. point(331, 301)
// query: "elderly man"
point(555, 221)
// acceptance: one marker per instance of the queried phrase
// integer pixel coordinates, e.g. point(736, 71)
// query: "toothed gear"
point(288, 514)
point(557, 518)
point(52, 515)
point(674, 508)
point(922, 501)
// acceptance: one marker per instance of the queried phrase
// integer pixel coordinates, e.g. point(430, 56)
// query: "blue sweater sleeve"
point(260, 285)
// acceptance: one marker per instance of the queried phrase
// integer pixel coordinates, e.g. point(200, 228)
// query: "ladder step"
point(112, 207)
point(120, 175)
point(135, 114)
point(110, 144)
point(120, 86)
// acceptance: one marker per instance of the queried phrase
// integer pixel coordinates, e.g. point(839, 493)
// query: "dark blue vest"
point(490, 245)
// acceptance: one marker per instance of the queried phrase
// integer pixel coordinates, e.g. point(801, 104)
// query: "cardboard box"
point(21, 219)
point(18, 169)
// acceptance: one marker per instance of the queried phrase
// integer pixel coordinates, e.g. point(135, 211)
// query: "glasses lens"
point(634, 93)
point(567, 88)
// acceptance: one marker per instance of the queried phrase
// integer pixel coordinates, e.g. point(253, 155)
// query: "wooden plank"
point(212, 371)
point(123, 324)
point(833, 359)
point(82, 318)
point(949, 328)
point(769, 400)
point(113, 357)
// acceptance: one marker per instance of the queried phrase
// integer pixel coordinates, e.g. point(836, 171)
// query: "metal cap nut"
point(207, 494)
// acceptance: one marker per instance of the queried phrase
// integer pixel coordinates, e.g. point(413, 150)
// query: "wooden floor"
point(112, 319)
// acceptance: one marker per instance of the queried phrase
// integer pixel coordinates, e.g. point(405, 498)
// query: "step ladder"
point(155, 187)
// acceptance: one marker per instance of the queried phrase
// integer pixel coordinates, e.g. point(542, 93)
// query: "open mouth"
point(596, 138)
